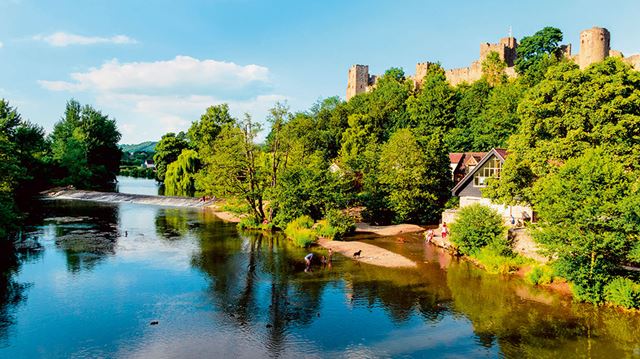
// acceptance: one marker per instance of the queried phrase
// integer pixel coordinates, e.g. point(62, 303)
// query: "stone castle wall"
point(594, 47)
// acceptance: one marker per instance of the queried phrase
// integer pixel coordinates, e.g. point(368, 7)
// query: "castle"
point(594, 47)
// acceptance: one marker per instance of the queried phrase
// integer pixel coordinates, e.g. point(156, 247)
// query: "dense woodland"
point(572, 136)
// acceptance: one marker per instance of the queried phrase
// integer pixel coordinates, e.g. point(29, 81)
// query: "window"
point(488, 170)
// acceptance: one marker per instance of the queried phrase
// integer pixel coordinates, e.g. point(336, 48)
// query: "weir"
point(114, 197)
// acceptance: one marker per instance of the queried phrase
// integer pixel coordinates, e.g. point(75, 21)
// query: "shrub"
point(497, 263)
point(341, 223)
point(235, 205)
point(623, 292)
point(323, 229)
point(248, 223)
point(478, 226)
point(300, 231)
point(541, 275)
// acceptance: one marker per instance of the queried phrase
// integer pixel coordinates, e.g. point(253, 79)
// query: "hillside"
point(148, 146)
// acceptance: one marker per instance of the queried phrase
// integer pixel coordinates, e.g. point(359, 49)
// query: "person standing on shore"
point(444, 231)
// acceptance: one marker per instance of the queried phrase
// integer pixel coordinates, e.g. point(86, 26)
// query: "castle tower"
point(358, 80)
point(510, 45)
point(421, 72)
point(594, 46)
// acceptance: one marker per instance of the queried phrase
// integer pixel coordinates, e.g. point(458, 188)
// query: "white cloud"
point(151, 98)
point(62, 39)
point(182, 71)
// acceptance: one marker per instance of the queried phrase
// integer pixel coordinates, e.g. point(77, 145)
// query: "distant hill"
point(148, 147)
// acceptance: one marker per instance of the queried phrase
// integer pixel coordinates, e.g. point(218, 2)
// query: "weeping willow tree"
point(180, 177)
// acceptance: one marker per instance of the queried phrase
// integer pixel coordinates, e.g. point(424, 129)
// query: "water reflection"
point(217, 291)
point(86, 232)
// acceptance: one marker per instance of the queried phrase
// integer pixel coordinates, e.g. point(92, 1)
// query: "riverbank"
point(392, 230)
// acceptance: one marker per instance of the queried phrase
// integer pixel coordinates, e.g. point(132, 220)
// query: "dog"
point(357, 254)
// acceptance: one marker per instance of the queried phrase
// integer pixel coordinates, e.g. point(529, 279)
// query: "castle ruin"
point(594, 47)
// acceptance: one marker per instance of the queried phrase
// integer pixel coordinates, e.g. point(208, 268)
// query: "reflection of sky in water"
point(215, 292)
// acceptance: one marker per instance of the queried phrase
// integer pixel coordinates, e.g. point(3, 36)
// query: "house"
point(469, 188)
point(149, 164)
point(462, 163)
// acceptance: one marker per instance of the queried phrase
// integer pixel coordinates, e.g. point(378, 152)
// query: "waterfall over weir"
point(114, 197)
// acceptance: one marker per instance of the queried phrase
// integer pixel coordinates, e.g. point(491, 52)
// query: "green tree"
point(432, 110)
point(236, 167)
point(590, 219)
point(415, 175)
point(168, 149)
point(536, 53)
point(476, 227)
point(85, 147)
point(180, 177)
point(567, 113)
point(470, 105)
point(202, 133)
point(493, 69)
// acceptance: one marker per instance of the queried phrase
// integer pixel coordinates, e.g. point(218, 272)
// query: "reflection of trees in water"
point(87, 232)
point(174, 223)
point(401, 292)
point(528, 322)
point(12, 293)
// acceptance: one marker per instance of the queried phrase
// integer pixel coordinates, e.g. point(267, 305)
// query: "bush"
point(341, 223)
point(541, 275)
point(497, 263)
point(252, 223)
point(323, 229)
point(301, 231)
point(478, 226)
point(623, 292)
point(235, 205)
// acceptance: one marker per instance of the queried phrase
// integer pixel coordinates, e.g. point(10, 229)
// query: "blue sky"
point(156, 65)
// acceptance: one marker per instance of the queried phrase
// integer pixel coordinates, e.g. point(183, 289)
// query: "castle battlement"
point(594, 47)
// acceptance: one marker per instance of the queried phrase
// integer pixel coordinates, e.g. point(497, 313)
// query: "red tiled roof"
point(455, 157)
point(502, 152)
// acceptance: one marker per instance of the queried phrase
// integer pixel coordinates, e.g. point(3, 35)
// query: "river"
point(135, 281)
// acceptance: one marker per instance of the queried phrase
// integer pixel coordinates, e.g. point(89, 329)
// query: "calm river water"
point(105, 272)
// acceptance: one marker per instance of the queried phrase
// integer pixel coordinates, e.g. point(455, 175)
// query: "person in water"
point(308, 258)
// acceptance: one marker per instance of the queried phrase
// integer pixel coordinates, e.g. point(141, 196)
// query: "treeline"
point(81, 151)
point(385, 150)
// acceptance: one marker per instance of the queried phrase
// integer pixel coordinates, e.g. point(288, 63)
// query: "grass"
point(301, 231)
point(496, 263)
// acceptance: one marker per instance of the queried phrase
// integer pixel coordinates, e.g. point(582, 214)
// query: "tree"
point(236, 167)
point(536, 53)
point(202, 133)
point(432, 110)
point(168, 149)
point(476, 227)
point(415, 175)
point(180, 177)
point(493, 69)
point(567, 113)
point(470, 105)
point(85, 147)
point(590, 219)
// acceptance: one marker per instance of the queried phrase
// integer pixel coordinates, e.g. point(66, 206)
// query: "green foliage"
point(414, 173)
point(493, 69)
point(147, 146)
point(623, 292)
point(236, 167)
point(541, 275)
point(476, 227)
point(567, 113)
point(203, 133)
point(180, 177)
point(167, 151)
point(85, 147)
point(536, 53)
point(307, 188)
point(138, 172)
point(590, 219)
point(235, 205)
point(496, 261)
point(336, 225)
point(432, 110)
point(301, 232)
